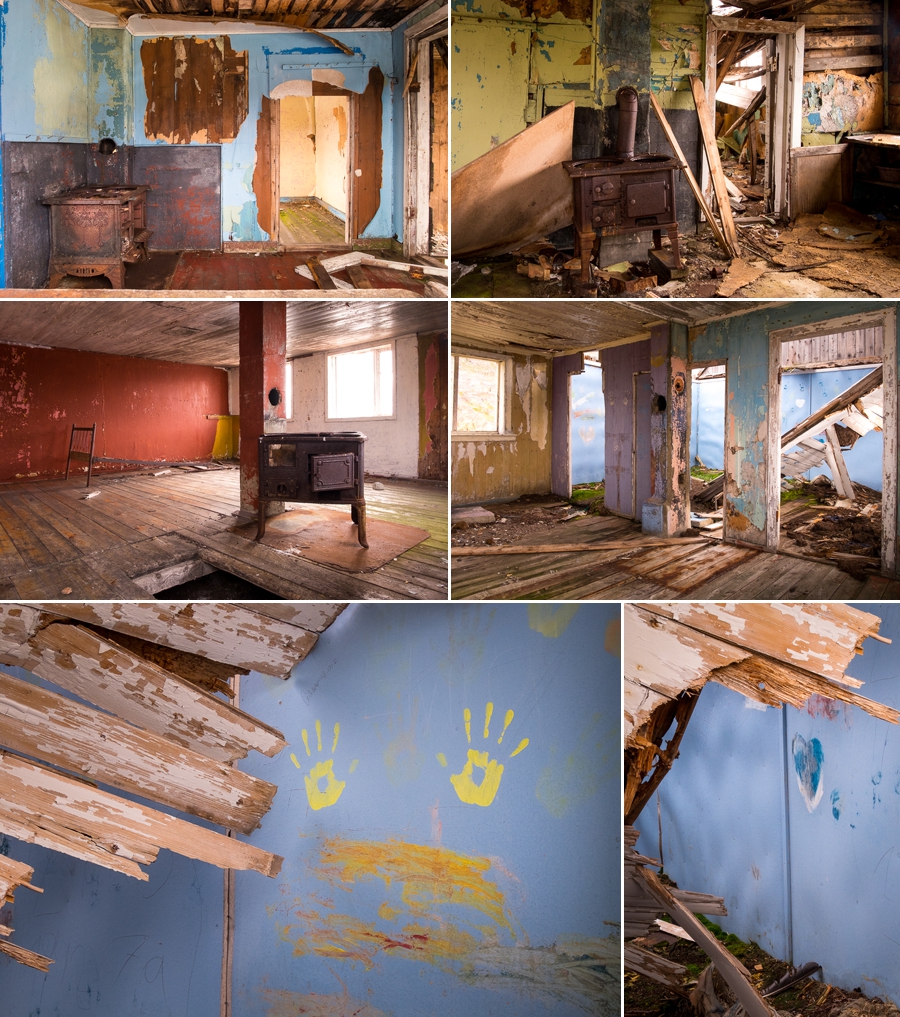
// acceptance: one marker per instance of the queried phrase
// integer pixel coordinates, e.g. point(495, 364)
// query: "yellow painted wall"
point(331, 150)
point(298, 146)
point(678, 45)
point(485, 470)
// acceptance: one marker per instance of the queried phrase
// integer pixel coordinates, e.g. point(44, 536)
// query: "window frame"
point(504, 427)
point(390, 344)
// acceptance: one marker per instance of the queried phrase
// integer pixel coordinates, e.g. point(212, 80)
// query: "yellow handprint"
point(466, 789)
point(317, 797)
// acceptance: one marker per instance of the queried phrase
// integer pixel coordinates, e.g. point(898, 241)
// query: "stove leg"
point(657, 240)
point(586, 285)
point(673, 239)
point(358, 515)
point(261, 521)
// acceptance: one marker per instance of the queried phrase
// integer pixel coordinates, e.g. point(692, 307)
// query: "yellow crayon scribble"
point(442, 759)
point(551, 620)
point(488, 712)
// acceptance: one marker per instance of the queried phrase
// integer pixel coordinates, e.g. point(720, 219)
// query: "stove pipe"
point(627, 101)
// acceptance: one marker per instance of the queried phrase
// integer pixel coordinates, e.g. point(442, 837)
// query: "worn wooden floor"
point(308, 224)
point(691, 571)
point(54, 543)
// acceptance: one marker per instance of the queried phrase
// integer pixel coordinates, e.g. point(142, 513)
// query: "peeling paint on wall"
point(111, 77)
point(839, 102)
point(59, 74)
point(678, 36)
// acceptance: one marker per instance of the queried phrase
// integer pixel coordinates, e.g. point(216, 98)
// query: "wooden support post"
point(836, 463)
point(729, 967)
point(689, 176)
point(708, 132)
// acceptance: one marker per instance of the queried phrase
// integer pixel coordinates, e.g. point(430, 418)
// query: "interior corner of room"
point(679, 450)
point(258, 809)
point(224, 146)
point(697, 148)
point(748, 733)
point(223, 450)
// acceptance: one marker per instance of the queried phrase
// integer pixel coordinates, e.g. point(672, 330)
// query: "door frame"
point(350, 221)
point(727, 464)
point(417, 124)
point(785, 80)
point(887, 319)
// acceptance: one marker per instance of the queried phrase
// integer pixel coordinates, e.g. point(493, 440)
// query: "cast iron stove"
point(623, 194)
point(323, 468)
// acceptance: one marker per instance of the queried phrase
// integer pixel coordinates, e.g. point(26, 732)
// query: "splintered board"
point(41, 806)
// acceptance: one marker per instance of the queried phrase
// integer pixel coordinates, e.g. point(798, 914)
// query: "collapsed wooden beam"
point(229, 633)
point(14, 874)
point(708, 133)
point(138, 691)
point(23, 956)
point(71, 736)
point(40, 806)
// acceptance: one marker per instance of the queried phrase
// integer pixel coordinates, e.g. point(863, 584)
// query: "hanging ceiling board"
point(43, 807)
point(516, 192)
point(314, 617)
point(71, 736)
point(138, 691)
point(666, 657)
point(229, 633)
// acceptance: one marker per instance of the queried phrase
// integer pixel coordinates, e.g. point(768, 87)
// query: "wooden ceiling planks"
point(772, 653)
point(40, 806)
point(142, 693)
point(332, 14)
point(71, 736)
point(576, 326)
point(228, 633)
point(206, 332)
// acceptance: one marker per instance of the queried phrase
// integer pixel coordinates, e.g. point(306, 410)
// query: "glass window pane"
point(478, 394)
point(361, 383)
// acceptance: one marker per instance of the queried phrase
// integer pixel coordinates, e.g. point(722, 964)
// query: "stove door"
point(333, 473)
point(650, 198)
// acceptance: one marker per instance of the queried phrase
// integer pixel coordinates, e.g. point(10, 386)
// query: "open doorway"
point(427, 156)
point(587, 431)
point(707, 447)
point(314, 175)
point(836, 464)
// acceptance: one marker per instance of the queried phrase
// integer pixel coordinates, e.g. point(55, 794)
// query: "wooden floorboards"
point(55, 543)
point(689, 571)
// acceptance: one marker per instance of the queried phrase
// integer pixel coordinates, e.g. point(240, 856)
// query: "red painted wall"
point(145, 409)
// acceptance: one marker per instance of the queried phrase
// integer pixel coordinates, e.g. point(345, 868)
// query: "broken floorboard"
point(144, 534)
point(688, 571)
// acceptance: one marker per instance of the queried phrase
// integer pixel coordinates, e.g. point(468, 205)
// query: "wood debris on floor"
point(139, 728)
point(773, 653)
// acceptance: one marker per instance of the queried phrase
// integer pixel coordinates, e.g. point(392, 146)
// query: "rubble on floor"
point(529, 516)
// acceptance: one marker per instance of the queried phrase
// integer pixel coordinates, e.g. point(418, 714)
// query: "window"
point(361, 383)
point(479, 394)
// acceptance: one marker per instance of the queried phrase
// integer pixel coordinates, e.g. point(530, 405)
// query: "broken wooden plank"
point(835, 459)
point(708, 133)
point(142, 693)
point(14, 874)
point(730, 968)
point(229, 633)
point(41, 806)
point(637, 543)
point(660, 969)
point(516, 192)
point(71, 736)
point(689, 176)
point(27, 957)
point(844, 399)
point(313, 617)
point(320, 274)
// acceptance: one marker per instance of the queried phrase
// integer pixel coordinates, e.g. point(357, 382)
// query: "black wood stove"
point(623, 194)
point(322, 468)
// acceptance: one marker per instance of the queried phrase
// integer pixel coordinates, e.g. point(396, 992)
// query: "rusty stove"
point(624, 194)
point(96, 230)
point(323, 468)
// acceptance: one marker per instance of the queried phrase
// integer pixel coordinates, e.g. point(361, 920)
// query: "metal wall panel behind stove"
point(184, 206)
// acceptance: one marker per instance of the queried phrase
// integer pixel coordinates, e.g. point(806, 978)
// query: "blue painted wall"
point(834, 820)
point(744, 343)
point(588, 426)
point(802, 394)
point(401, 897)
point(268, 55)
point(120, 946)
point(708, 422)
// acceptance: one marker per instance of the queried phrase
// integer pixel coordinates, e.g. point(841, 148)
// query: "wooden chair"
point(81, 448)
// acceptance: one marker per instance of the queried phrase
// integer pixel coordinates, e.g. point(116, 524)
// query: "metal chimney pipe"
point(627, 101)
